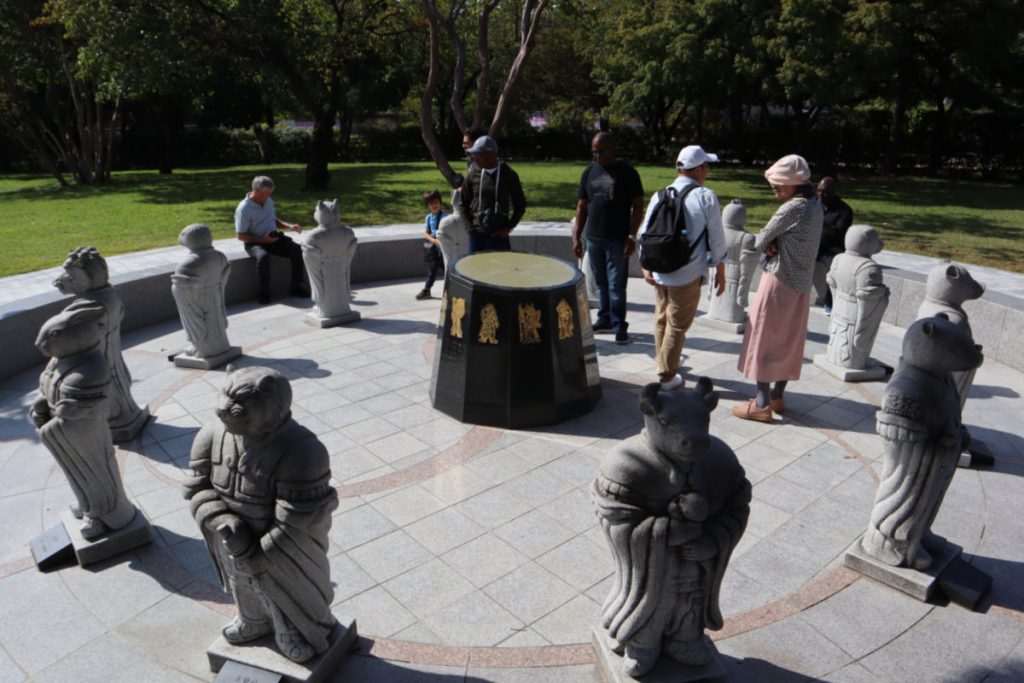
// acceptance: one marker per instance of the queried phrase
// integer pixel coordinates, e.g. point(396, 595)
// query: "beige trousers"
point(674, 310)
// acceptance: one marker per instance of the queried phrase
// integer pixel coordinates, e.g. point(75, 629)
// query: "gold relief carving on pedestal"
point(458, 312)
point(564, 319)
point(444, 308)
point(529, 324)
point(488, 325)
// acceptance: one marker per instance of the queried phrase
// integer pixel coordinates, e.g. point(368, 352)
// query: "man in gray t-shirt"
point(257, 225)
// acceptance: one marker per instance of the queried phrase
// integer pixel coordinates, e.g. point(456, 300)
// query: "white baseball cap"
point(693, 156)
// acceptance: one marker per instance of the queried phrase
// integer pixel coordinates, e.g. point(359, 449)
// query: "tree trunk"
point(899, 120)
point(317, 175)
point(530, 22)
point(170, 125)
point(427, 98)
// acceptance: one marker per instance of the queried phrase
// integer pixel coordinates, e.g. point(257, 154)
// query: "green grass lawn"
point(972, 221)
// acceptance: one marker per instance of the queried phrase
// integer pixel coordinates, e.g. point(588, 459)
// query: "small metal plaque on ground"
point(236, 672)
point(53, 548)
point(665, 671)
point(263, 655)
point(112, 543)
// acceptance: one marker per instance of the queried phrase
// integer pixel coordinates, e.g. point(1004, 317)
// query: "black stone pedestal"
point(515, 347)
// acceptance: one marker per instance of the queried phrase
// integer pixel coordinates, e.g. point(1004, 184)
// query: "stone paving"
point(472, 554)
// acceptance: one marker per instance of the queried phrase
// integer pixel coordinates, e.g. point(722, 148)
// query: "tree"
point(449, 21)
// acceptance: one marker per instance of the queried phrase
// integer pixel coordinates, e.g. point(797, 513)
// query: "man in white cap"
point(492, 197)
point(678, 291)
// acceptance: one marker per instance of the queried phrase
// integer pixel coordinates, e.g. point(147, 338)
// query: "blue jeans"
point(611, 269)
point(478, 241)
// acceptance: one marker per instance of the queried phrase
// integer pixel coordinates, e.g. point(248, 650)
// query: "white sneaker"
point(673, 383)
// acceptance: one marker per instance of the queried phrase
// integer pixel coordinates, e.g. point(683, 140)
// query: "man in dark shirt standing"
point(492, 197)
point(610, 205)
point(838, 219)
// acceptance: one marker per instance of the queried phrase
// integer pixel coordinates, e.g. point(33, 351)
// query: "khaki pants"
point(674, 311)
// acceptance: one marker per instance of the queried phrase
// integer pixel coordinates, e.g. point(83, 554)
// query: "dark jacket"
point(478, 199)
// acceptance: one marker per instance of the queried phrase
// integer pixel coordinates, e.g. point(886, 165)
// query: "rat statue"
point(673, 508)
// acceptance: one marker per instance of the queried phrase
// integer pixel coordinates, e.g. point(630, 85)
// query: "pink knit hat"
point(791, 169)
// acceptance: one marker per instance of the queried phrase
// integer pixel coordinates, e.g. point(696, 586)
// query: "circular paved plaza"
point(473, 553)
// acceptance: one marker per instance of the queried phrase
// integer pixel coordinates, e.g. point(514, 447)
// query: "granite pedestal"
point(723, 325)
point(919, 584)
point(516, 348)
point(667, 670)
point(871, 372)
point(127, 431)
point(317, 321)
point(135, 534)
point(183, 360)
point(263, 654)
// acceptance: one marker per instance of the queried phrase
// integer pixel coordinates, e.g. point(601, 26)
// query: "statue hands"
point(40, 412)
point(700, 549)
point(237, 535)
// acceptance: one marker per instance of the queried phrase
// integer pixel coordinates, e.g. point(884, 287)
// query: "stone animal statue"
point(260, 492)
point(949, 286)
point(71, 418)
point(859, 299)
point(740, 263)
point(198, 285)
point(673, 507)
point(453, 232)
point(86, 277)
point(328, 252)
point(919, 423)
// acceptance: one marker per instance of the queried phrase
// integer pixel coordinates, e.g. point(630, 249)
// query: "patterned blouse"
point(796, 228)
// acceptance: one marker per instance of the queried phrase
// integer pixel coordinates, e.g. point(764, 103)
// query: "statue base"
point(129, 429)
point(723, 325)
point(263, 654)
point(317, 321)
point(871, 372)
point(977, 455)
point(667, 670)
point(183, 360)
point(919, 584)
point(136, 533)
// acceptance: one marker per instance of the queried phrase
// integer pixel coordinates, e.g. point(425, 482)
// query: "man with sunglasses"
point(610, 206)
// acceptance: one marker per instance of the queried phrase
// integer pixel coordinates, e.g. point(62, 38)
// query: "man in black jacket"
point(492, 197)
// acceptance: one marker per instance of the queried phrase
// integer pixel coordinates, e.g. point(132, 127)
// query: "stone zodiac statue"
point(673, 508)
point(919, 423)
point(71, 417)
point(260, 492)
point(949, 286)
point(453, 232)
point(197, 285)
point(859, 300)
point(85, 276)
point(740, 263)
point(328, 252)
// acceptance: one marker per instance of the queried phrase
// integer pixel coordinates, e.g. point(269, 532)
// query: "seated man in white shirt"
point(678, 292)
point(257, 225)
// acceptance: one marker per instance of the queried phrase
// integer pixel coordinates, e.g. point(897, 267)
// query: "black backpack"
point(665, 243)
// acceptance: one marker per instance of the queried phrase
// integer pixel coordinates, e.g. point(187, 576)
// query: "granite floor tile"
point(348, 578)
point(570, 623)
point(357, 526)
point(444, 531)
point(536, 487)
point(99, 660)
point(579, 561)
point(493, 508)
point(789, 644)
point(428, 588)
point(390, 555)
point(473, 619)
point(534, 533)
point(530, 592)
point(484, 559)
point(377, 613)
point(408, 505)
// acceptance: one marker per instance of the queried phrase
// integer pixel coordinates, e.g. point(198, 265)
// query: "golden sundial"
point(515, 270)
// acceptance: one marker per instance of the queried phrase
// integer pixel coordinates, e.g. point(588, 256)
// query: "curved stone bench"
point(396, 252)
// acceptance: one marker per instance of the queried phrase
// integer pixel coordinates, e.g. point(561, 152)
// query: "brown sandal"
point(778, 405)
point(750, 411)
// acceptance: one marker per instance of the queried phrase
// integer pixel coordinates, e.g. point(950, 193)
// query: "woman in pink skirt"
point(773, 344)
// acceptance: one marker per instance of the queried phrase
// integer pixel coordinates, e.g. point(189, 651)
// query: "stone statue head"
point(676, 422)
point(863, 240)
point(196, 236)
point(70, 332)
point(938, 346)
point(326, 214)
point(254, 401)
point(953, 284)
point(734, 215)
point(84, 270)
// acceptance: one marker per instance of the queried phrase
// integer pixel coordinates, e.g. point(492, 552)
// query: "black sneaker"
point(621, 337)
point(424, 294)
point(603, 327)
